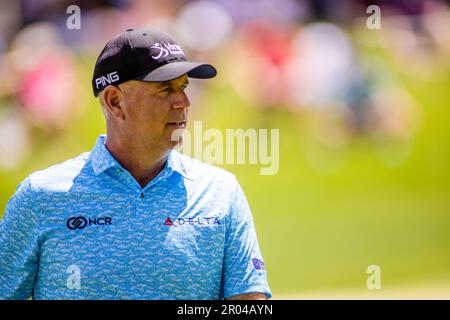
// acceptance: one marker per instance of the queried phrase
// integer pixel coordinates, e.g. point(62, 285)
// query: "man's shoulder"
point(58, 177)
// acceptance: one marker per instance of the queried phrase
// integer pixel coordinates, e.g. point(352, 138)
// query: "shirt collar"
point(103, 160)
point(175, 163)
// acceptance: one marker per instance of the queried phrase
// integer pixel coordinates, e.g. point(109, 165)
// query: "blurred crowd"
point(316, 59)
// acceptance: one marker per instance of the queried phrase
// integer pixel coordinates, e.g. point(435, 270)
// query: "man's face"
point(154, 110)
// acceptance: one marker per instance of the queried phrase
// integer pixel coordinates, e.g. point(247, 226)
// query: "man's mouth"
point(177, 124)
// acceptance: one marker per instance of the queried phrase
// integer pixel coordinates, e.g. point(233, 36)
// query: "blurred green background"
point(332, 209)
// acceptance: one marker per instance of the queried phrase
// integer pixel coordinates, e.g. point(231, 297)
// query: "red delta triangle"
point(168, 222)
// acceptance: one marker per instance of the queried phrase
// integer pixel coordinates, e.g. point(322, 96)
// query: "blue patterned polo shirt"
point(86, 229)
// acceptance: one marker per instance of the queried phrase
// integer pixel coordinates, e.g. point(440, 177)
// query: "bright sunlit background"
point(363, 114)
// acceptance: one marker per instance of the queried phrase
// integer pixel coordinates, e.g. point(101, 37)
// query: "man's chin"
point(176, 138)
point(174, 144)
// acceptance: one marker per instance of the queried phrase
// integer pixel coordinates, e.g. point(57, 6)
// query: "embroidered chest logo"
point(80, 222)
point(198, 221)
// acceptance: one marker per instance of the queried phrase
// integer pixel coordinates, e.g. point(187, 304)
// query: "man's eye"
point(167, 90)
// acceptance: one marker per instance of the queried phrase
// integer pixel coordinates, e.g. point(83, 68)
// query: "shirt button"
point(141, 195)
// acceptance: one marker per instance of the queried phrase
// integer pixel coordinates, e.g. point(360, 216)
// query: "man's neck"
point(144, 164)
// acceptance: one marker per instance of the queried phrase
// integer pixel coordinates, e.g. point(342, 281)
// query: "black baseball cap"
point(147, 55)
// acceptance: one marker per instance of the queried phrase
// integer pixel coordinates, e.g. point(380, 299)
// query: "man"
point(133, 219)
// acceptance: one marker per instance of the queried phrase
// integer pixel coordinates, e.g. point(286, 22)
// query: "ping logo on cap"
point(166, 49)
point(110, 78)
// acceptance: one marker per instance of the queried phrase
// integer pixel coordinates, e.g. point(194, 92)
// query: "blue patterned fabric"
point(85, 229)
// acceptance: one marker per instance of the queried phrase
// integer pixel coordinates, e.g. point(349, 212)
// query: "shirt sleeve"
point(19, 247)
point(243, 270)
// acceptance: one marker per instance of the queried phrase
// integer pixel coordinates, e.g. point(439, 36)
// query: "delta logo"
point(192, 221)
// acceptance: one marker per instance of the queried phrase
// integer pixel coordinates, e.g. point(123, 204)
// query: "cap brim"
point(176, 69)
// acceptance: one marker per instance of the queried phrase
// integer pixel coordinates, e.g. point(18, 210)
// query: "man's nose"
point(181, 100)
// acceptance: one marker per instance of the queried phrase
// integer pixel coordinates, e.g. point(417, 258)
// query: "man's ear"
point(113, 101)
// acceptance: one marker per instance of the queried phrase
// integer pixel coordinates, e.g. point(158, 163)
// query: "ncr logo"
point(80, 222)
